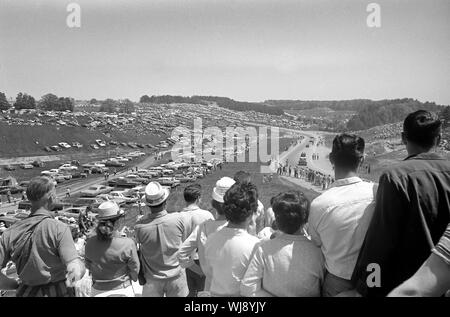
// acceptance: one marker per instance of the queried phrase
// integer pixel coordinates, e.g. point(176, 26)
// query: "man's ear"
point(438, 139)
point(404, 140)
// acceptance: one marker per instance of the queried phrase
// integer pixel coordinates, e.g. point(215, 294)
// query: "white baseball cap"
point(222, 185)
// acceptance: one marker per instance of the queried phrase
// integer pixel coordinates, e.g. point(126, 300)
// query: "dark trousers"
point(195, 282)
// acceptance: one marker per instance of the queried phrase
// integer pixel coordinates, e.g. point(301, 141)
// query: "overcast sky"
point(244, 49)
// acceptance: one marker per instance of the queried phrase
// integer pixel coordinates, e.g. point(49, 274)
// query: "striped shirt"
point(442, 249)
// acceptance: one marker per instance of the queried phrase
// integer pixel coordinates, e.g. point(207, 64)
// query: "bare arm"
point(431, 280)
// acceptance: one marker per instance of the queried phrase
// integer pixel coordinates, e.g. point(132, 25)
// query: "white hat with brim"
point(109, 210)
point(221, 188)
point(155, 194)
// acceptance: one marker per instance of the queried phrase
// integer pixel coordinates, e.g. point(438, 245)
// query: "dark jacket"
point(396, 239)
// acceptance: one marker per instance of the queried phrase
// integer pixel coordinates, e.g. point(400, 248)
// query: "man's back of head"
point(421, 131)
point(347, 152)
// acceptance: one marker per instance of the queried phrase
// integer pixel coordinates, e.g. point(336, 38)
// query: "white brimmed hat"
point(109, 210)
point(155, 194)
point(222, 185)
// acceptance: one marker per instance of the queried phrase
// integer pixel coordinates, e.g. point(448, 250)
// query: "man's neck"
point(194, 204)
point(339, 174)
point(237, 226)
point(36, 207)
point(413, 151)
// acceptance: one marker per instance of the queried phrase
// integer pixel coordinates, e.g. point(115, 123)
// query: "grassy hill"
point(17, 140)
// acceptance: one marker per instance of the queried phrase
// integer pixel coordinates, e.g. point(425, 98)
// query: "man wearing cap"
point(194, 216)
point(197, 239)
point(160, 235)
point(42, 249)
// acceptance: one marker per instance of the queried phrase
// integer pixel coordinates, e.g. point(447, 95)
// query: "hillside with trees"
point(220, 101)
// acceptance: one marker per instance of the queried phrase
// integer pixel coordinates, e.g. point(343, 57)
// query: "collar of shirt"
point(157, 215)
point(190, 207)
point(293, 237)
point(346, 181)
point(425, 156)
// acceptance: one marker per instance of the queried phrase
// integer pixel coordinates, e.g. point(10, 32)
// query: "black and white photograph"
point(229, 149)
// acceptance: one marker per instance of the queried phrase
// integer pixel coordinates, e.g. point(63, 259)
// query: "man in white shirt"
point(196, 241)
point(194, 216)
point(340, 217)
point(228, 251)
point(289, 264)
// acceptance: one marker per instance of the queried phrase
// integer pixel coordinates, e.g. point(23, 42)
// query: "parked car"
point(93, 202)
point(26, 166)
point(123, 182)
point(168, 181)
point(10, 168)
point(47, 149)
point(120, 201)
point(75, 163)
point(74, 212)
point(55, 148)
point(100, 143)
point(113, 163)
point(67, 167)
point(121, 194)
point(95, 190)
point(78, 145)
point(140, 146)
point(24, 184)
point(99, 170)
point(94, 146)
point(64, 145)
point(113, 143)
point(79, 175)
point(8, 220)
point(137, 178)
point(51, 172)
point(123, 144)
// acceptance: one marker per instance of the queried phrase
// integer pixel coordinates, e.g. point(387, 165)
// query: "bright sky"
point(244, 49)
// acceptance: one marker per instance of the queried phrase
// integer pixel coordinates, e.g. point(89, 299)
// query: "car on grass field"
point(123, 182)
point(114, 163)
point(113, 143)
point(50, 173)
point(122, 195)
point(24, 184)
point(55, 148)
point(74, 212)
point(68, 167)
point(168, 181)
point(137, 178)
point(95, 190)
point(47, 149)
point(64, 145)
point(26, 166)
point(94, 146)
point(99, 170)
point(118, 200)
point(101, 143)
point(10, 168)
point(79, 175)
point(123, 144)
point(78, 145)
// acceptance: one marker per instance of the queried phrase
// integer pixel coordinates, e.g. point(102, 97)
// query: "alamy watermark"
point(235, 144)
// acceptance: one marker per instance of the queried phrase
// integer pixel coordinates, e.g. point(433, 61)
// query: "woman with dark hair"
point(228, 251)
point(289, 264)
point(111, 259)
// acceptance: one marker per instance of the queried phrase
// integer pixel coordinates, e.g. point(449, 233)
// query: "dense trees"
point(4, 104)
point(52, 102)
point(93, 101)
point(24, 101)
point(145, 99)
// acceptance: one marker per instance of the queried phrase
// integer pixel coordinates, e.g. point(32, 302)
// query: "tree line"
point(47, 102)
point(220, 101)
